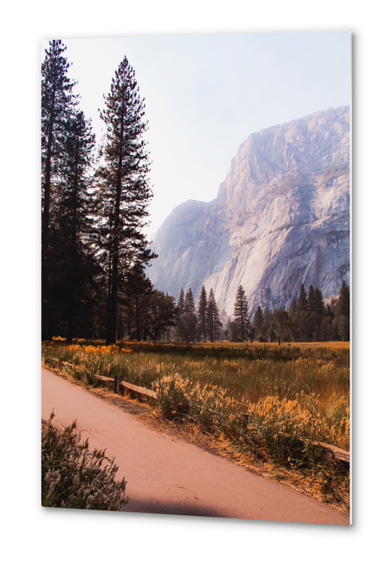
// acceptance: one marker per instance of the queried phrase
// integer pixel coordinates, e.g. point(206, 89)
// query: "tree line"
point(308, 319)
point(94, 207)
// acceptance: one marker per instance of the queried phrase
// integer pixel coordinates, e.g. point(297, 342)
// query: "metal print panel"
point(196, 275)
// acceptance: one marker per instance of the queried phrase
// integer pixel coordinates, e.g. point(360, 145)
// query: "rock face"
point(281, 218)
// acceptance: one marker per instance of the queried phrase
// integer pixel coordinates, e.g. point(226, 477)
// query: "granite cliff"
point(281, 218)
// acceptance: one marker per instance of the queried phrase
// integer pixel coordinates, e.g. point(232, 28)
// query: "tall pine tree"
point(213, 321)
point(258, 320)
point(124, 191)
point(73, 256)
point(241, 313)
point(57, 104)
point(202, 308)
point(190, 316)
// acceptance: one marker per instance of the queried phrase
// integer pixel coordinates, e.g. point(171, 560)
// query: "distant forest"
point(308, 319)
point(94, 252)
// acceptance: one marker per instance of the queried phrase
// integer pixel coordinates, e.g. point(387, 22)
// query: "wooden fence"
point(335, 452)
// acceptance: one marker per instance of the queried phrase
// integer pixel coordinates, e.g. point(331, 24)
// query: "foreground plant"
point(73, 476)
point(279, 431)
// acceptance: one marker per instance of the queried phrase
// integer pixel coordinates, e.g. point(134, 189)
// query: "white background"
point(30, 532)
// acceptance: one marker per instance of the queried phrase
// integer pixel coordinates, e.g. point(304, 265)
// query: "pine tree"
point(300, 318)
point(180, 318)
point(311, 300)
point(57, 104)
point(73, 256)
point(137, 294)
point(302, 299)
point(190, 316)
point(213, 321)
point(342, 313)
point(319, 304)
point(343, 304)
point(124, 191)
point(241, 312)
point(258, 320)
point(311, 317)
point(162, 308)
point(202, 308)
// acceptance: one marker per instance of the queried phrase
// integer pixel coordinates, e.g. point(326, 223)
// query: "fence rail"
point(336, 452)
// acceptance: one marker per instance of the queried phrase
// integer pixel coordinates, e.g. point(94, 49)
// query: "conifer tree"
point(343, 304)
point(124, 191)
point(342, 313)
point(73, 256)
point(180, 318)
point(213, 321)
point(202, 308)
point(258, 320)
point(302, 299)
point(162, 308)
point(57, 103)
point(190, 316)
point(319, 304)
point(137, 294)
point(311, 316)
point(241, 313)
point(300, 317)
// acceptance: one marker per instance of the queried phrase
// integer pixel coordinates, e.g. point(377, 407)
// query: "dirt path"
point(170, 476)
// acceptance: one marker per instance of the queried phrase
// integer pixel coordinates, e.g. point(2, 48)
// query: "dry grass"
point(263, 402)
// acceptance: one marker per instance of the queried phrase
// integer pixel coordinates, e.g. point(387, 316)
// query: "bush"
point(74, 477)
point(279, 429)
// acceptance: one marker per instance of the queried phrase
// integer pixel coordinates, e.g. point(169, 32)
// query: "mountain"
point(281, 218)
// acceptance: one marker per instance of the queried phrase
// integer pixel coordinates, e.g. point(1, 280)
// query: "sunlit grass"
point(267, 400)
point(316, 375)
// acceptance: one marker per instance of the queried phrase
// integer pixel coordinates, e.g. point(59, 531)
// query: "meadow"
point(268, 401)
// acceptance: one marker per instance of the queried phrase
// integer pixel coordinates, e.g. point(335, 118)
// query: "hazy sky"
point(205, 94)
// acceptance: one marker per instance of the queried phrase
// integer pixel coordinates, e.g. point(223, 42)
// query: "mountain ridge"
point(281, 218)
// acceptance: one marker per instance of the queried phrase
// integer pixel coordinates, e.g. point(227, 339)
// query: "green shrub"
point(73, 476)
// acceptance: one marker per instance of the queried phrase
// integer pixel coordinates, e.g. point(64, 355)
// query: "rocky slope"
point(281, 218)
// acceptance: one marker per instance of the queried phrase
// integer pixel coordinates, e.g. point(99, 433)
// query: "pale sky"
point(205, 94)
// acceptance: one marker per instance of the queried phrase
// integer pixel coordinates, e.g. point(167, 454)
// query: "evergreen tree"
point(162, 309)
point(343, 304)
point(180, 318)
point(293, 315)
point(74, 278)
point(258, 320)
point(342, 313)
point(136, 298)
point(202, 308)
point(319, 304)
point(301, 323)
point(124, 191)
point(302, 300)
point(190, 316)
point(241, 313)
point(213, 318)
point(311, 317)
point(57, 103)
point(293, 308)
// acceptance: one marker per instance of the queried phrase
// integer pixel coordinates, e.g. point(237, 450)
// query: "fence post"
point(117, 381)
